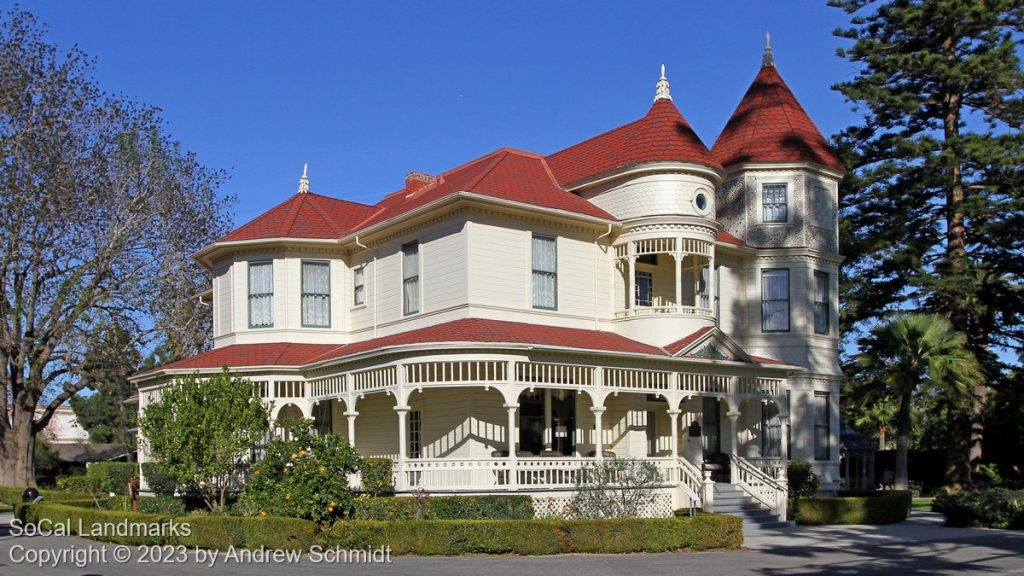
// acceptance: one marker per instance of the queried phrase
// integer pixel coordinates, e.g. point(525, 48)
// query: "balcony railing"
point(671, 309)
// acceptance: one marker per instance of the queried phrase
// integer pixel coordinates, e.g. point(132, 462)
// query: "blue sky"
point(367, 92)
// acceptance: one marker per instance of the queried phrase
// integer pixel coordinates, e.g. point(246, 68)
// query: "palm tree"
point(908, 353)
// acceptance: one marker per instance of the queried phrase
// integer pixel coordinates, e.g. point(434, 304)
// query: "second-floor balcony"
point(666, 276)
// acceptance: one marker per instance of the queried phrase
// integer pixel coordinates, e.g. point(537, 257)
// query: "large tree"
point(101, 210)
point(904, 356)
point(110, 359)
point(933, 205)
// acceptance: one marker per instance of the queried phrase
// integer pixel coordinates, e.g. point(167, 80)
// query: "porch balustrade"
point(769, 491)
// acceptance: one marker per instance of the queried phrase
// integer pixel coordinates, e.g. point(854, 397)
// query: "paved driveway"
point(917, 546)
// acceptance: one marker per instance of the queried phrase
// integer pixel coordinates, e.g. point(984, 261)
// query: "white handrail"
point(759, 485)
point(692, 478)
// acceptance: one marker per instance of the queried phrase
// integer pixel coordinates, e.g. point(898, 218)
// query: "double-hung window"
point(359, 286)
point(775, 300)
point(261, 294)
point(545, 272)
point(821, 303)
point(316, 294)
point(644, 288)
point(771, 431)
point(411, 278)
point(822, 423)
point(773, 203)
point(415, 434)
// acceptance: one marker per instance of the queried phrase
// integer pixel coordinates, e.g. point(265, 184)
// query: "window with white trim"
point(822, 425)
point(411, 278)
point(775, 300)
point(415, 434)
point(644, 288)
point(316, 294)
point(261, 294)
point(821, 303)
point(359, 286)
point(773, 203)
point(545, 272)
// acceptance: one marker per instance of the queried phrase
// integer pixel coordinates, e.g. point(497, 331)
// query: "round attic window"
point(701, 201)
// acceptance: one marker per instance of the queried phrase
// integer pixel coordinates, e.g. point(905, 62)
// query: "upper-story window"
point(821, 303)
point(775, 300)
point(316, 294)
point(545, 272)
point(411, 278)
point(359, 286)
point(261, 294)
point(644, 288)
point(773, 203)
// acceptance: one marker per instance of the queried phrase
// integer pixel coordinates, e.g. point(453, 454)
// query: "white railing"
point(669, 309)
point(629, 379)
point(333, 387)
point(554, 374)
point(691, 478)
point(703, 383)
point(374, 379)
point(456, 474)
point(465, 372)
point(773, 467)
point(766, 490)
point(759, 386)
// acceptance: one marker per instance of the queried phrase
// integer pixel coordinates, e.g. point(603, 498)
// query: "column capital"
point(598, 409)
point(350, 414)
point(733, 415)
point(674, 412)
point(510, 406)
point(402, 409)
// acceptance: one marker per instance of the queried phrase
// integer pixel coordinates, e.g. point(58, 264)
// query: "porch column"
point(548, 432)
point(733, 432)
point(598, 432)
point(351, 415)
point(784, 445)
point(712, 284)
point(673, 416)
point(402, 411)
point(679, 280)
point(513, 472)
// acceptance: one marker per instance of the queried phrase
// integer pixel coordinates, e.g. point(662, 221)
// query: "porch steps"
point(733, 501)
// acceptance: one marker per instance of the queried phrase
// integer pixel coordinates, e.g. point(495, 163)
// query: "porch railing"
point(773, 467)
point(763, 488)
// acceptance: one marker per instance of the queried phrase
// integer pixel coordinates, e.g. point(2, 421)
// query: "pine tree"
point(933, 205)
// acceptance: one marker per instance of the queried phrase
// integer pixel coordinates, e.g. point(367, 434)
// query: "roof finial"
point(304, 180)
point(768, 59)
point(662, 92)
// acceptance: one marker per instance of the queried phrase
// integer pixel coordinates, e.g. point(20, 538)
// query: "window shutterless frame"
point(359, 286)
point(315, 299)
point(775, 203)
point(821, 303)
point(822, 426)
point(261, 293)
point(410, 278)
point(775, 300)
point(544, 255)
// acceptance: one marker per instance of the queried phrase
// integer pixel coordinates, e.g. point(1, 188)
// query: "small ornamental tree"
point(303, 475)
point(201, 430)
point(614, 488)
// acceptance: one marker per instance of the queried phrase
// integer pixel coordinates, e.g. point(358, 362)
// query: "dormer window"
point(316, 294)
point(261, 294)
point(773, 203)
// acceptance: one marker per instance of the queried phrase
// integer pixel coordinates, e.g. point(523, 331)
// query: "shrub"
point(377, 476)
point(802, 483)
point(882, 508)
point(79, 484)
point(993, 508)
point(160, 504)
point(496, 507)
point(113, 477)
point(305, 476)
point(614, 488)
point(158, 480)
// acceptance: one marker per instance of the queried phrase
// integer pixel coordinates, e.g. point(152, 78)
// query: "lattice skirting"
point(659, 506)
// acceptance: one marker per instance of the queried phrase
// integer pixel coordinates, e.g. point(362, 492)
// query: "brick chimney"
point(416, 181)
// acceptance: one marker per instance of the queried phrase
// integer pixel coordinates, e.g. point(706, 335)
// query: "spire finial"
point(662, 92)
point(768, 59)
point(304, 180)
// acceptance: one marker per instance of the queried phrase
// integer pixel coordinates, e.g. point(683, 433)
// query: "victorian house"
point(495, 327)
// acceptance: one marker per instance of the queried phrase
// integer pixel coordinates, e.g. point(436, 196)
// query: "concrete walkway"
point(918, 546)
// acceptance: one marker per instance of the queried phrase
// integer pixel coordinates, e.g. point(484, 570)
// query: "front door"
point(711, 427)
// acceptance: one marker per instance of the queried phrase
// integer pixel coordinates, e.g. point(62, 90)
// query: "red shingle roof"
point(724, 236)
point(304, 216)
point(663, 135)
point(243, 355)
point(769, 125)
point(685, 341)
point(506, 173)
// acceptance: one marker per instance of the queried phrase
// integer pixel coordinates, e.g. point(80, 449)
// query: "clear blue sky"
point(366, 92)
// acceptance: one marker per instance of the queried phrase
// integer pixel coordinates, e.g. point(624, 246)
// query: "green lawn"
point(921, 505)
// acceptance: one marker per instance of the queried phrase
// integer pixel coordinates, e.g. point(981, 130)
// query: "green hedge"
point(536, 537)
point(496, 507)
point(884, 508)
point(12, 496)
point(112, 477)
point(427, 537)
point(992, 508)
point(159, 482)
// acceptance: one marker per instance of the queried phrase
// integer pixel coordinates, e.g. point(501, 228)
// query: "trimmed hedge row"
point(539, 537)
point(12, 496)
point(496, 507)
point(882, 508)
point(426, 537)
